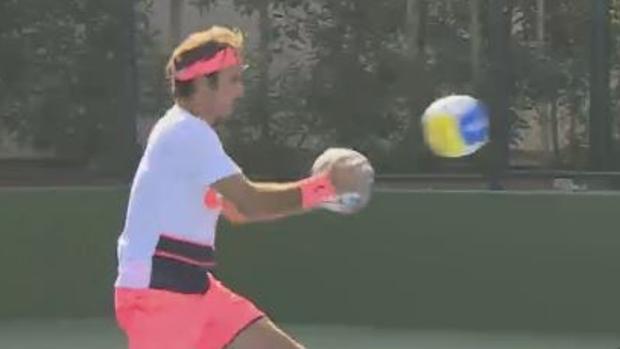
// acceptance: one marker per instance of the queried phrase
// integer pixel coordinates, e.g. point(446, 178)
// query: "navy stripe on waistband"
point(201, 254)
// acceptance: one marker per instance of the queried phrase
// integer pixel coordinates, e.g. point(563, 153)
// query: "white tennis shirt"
point(183, 156)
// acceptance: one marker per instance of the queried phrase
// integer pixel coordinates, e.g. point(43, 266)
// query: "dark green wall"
point(451, 260)
point(58, 249)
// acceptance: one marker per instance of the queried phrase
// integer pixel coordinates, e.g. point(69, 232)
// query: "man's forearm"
point(273, 200)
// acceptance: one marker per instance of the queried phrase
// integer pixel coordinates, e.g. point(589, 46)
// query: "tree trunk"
point(119, 148)
point(264, 62)
point(540, 23)
point(476, 30)
point(555, 131)
point(600, 104)
point(546, 107)
point(415, 23)
point(573, 136)
point(498, 87)
point(176, 12)
point(543, 110)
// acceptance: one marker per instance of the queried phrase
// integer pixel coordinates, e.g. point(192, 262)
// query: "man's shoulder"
point(180, 130)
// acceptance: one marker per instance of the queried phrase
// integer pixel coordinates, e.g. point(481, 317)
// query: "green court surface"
point(102, 334)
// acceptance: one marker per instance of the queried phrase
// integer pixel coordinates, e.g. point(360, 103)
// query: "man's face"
point(218, 101)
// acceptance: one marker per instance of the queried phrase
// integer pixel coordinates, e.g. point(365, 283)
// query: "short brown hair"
point(196, 46)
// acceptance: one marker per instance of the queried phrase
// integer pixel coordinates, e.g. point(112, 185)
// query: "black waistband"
point(189, 251)
point(181, 266)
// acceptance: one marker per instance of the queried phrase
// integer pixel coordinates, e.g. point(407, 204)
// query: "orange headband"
point(223, 59)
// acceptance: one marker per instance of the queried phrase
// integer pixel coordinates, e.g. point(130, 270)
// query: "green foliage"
point(615, 11)
point(355, 83)
point(61, 72)
point(352, 80)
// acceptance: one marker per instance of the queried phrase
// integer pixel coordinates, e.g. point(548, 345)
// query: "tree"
point(499, 88)
point(477, 41)
point(176, 12)
point(600, 118)
point(363, 73)
point(62, 75)
point(415, 27)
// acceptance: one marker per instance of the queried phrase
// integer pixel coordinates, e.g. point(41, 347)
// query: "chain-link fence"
point(81, 82)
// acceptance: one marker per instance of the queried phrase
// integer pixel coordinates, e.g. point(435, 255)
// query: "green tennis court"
point(98, 333)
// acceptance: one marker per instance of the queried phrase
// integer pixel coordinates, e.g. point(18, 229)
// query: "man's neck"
point(192, 109)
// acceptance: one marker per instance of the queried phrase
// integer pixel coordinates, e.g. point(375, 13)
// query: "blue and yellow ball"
point(455, 126)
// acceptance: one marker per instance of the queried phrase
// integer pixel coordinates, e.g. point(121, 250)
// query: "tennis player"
point(165, 296)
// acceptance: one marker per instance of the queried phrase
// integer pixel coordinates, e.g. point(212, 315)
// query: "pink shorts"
point(159, 319)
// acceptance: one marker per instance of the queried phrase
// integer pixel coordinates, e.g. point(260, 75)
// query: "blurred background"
point(82, 82)
point(513, 247)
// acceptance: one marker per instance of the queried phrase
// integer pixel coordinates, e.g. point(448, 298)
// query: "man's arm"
point(233, 215)
point(263, 201)
point(244, 200)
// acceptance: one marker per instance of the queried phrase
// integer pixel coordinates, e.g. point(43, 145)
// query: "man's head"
point(205, 72)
